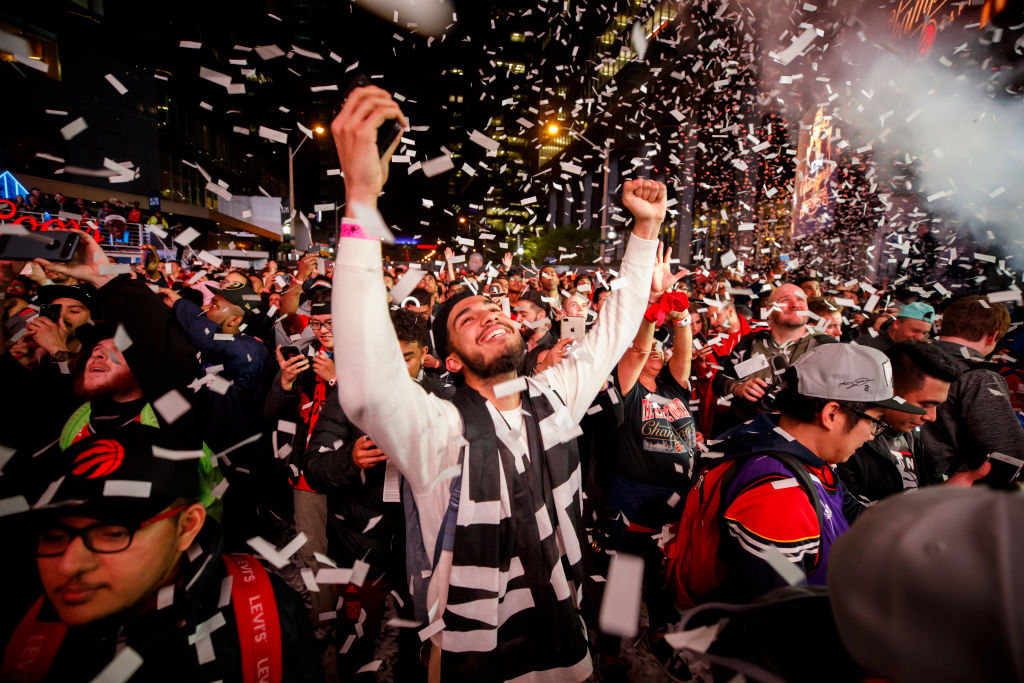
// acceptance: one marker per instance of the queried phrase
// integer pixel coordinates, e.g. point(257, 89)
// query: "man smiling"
point(495, 473)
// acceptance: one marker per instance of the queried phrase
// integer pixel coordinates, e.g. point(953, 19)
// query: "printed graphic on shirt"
point(668, 428)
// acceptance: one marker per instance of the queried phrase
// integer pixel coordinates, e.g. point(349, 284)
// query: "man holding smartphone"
point(57, 336)
point(495, 473)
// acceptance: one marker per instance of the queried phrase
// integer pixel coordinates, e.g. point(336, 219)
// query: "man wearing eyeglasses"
point(831, 403)
point(128, 560)
point(304, 384)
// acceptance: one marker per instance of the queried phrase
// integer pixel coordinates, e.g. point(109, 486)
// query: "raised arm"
point(580, 376)
point(374, 387)
point(632, 362)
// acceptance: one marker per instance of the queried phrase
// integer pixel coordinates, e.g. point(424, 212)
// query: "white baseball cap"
point(849, 372)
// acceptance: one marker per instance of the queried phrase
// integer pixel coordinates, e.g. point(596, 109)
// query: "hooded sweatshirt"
point(766, 507)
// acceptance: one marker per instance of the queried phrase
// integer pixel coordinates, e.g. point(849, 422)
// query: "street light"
point(291, 180)
point(552, 129)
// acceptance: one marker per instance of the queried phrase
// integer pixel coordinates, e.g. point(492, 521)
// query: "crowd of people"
point(220, 474)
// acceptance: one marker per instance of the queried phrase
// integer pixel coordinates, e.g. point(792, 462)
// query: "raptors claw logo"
point(99, 460)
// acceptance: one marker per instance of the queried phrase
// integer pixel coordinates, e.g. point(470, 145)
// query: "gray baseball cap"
point(850, 372)
point(928, 586)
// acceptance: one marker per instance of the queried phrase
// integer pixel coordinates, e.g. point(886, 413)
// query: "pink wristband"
point(354, 230)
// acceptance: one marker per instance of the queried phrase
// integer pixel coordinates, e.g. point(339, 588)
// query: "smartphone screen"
point(290, 352)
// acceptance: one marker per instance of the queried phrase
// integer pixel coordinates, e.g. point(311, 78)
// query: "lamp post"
point(319, 130)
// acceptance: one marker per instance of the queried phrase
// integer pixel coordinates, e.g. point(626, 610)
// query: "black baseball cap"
point(124, 476)
point(84, 294)
point(241, 295)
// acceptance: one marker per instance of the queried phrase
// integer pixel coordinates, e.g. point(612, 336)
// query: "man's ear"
point(189, 524)
point(829, 416)
point(453, 363)
point(424, 352)
point(991, 339)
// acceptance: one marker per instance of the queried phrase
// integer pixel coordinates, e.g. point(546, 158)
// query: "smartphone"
point(51, 311)
point(699, 341)
point(389, 130)
point(290, 352)
point(52, 245)
point(1006, 470)
point(573, 326)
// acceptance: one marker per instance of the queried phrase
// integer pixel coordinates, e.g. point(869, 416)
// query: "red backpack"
point(694, 568)
point(34, 645)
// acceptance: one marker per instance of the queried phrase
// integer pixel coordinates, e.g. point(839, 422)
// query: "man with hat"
point(217, 331)
point(58, 337)
point(495, 473)
point(913, 322)
point(132, 574)
point(781, 500)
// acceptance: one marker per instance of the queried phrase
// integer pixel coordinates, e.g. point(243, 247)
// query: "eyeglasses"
point(317, 324)
point(877, 426)
point(99, 538)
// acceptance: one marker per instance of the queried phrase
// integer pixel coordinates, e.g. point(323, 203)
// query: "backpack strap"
point(33, 647)
point(256, 618)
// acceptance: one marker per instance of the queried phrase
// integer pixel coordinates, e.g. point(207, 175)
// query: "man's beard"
point(776, 319)
point(509, 360)
point(119, 384)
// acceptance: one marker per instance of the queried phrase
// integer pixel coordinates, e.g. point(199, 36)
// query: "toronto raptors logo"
point(99, 460)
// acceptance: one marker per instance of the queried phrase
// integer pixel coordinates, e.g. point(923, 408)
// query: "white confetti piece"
point(121, 339)
point(190, 45)
point(170, 454)
point(698, 639)
point(371, 667)
point(789, 572)
point(437, 166)
point(171, 406)
point(513, 386)
point(121, 667)
point(74, 128)
point(13, 505)
point(431, 629)
point(273, 135)
point(127, 489)
point(187, 236)
point(118, 86)
point(278, 558)
point(620, 605)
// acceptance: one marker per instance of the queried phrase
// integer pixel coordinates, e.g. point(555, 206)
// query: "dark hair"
point(800, 281)
point(421, 295)
point(913, 360)
point(967, 318)
point(791, 403)
point(409, 326)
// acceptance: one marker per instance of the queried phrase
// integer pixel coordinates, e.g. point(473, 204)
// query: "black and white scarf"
point(516, 583)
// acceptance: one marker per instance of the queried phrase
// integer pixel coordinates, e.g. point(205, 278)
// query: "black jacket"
point(160, 636)
point(890, 463)
point(356, 496)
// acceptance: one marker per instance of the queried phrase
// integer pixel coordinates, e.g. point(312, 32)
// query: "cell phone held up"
point(572, 326)
point(53, 245)
point(388, 131)
point(289, 352)
point(51, 311)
